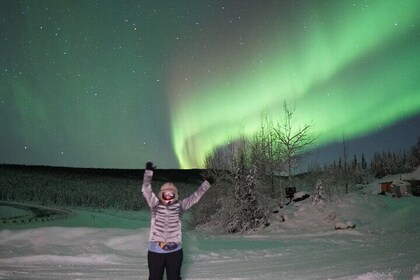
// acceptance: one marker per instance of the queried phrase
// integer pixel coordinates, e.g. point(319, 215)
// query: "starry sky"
point(112, 84)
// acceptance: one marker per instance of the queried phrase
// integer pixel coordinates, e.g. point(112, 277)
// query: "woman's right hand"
point(149, 166)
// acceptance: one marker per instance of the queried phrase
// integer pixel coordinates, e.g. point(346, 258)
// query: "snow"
point(112, 245)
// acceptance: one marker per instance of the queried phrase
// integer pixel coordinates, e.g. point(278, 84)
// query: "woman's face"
point(168, 197)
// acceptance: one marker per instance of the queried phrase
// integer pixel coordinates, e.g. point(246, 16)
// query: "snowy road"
point(88, 253)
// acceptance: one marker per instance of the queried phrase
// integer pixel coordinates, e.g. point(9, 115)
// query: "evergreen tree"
point(354, 165)
point(364, 164)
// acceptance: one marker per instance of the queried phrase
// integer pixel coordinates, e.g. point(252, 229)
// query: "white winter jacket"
point(166, 219)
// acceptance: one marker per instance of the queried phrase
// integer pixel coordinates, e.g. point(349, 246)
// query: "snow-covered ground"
point(384, 245)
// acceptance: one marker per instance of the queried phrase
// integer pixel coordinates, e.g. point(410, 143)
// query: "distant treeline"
point(87, 187)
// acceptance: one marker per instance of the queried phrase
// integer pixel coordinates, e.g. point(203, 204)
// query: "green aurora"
point(349, 70)
point(112, 84)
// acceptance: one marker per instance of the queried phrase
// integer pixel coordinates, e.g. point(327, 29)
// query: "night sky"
point(113, 84)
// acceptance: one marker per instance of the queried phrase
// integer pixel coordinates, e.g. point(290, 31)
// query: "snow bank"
point(375, 276)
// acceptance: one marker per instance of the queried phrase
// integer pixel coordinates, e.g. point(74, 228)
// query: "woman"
point(165, 240)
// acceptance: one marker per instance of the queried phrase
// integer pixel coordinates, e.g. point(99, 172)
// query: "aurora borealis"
point(117, 83)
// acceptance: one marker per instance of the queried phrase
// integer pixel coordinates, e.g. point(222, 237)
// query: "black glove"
point(208, 178)
point(149, 166)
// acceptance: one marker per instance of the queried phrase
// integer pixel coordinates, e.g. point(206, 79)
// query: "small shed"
point(397, 188)
point(386, 187)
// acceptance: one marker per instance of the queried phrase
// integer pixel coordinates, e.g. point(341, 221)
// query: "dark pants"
point(171, 261)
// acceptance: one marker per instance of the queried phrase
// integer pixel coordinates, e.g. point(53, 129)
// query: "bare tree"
point(293, 141)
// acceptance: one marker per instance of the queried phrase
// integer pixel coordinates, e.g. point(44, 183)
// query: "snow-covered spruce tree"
point(251, 204)
point(332, 182)
point(319, 193)
point(241, 203)
point(242, 208)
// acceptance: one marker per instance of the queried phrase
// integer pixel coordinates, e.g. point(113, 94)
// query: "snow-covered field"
point(384, 245)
